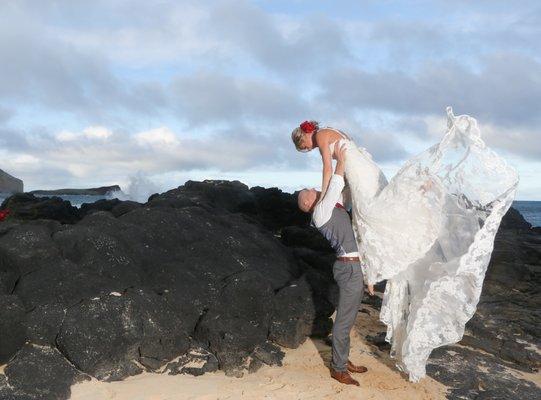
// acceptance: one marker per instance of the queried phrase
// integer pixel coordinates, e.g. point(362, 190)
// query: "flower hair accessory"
point(308, 127)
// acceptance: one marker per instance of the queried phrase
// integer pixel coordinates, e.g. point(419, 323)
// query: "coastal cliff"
point(10, 184)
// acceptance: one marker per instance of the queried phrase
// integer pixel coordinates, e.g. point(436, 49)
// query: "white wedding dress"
point(430, 233)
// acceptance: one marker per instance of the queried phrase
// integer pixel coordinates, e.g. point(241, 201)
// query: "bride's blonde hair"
point(297, 134)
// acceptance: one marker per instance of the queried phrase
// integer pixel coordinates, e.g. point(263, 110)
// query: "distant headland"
point(100, 191)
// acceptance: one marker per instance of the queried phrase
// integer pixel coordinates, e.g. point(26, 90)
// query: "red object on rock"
point(308, 127)
point(4, 214)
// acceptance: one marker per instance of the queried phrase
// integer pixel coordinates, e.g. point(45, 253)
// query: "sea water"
point(530, 210)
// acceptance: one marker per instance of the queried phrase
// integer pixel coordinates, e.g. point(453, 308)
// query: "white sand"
point(304, 375)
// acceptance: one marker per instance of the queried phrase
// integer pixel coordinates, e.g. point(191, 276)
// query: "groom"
point(332, 220)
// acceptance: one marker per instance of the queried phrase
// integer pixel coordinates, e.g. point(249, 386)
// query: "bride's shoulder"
point(323, 135)
point(336, 134)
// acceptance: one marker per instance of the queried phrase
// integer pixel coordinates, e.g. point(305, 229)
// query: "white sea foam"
point(139, 189)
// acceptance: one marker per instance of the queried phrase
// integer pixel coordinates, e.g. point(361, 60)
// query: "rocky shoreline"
point(223, 276)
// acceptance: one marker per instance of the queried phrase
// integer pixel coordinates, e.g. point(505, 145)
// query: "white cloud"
point(65, 136)
point(92, 133)
point(97, 132)
point(520, 141)
point(25, 160)
point(162, 136)
point(81, 171)
point(154, 151)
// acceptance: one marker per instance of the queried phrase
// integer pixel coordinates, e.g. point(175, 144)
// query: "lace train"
point(430, 232)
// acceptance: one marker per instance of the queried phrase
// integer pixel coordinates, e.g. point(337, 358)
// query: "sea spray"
point(139, 189)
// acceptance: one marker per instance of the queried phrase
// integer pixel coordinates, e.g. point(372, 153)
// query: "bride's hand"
point(371, 290)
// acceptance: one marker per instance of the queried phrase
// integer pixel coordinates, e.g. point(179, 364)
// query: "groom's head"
point(307, 199)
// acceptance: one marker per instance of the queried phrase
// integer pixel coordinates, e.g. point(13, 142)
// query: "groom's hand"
point(340, 151)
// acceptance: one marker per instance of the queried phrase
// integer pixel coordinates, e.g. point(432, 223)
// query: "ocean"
point(531, 210)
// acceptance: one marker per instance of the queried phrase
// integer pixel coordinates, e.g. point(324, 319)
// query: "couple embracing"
point(429, 233)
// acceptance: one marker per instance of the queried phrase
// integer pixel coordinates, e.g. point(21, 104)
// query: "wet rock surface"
point(215, 275)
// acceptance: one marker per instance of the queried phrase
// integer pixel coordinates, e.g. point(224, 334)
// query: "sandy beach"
point(304, 375)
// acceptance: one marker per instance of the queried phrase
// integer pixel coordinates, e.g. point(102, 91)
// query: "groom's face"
point(307, 199)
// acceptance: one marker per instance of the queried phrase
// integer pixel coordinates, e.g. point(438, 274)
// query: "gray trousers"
point(349, 277)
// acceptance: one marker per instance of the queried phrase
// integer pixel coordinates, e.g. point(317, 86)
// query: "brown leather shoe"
point(343, 377)
point(356, 368)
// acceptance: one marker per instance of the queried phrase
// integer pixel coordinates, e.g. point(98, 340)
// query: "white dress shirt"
point(335, 194)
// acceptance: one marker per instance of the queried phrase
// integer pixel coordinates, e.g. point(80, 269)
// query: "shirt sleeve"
point(323, 209)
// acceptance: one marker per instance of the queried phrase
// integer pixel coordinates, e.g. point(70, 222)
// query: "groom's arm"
point(323, 209)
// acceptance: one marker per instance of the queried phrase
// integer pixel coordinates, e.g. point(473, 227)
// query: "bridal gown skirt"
point(430, 233)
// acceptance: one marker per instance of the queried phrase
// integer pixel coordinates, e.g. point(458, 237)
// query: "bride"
point(429, 231)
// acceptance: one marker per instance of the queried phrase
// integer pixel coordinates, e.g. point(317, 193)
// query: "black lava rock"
point(514, 220)
point(305, 236)
point(12, 326)
point(109, 336)
point(240, 321)
point(63, 282)
point(27, 247)
point(44, 322)
point(473, 374)
point(294, 314)
point(26, 206)
point(99, 205)
point(39, 372)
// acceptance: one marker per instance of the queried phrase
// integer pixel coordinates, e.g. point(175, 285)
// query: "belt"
point(348, 258)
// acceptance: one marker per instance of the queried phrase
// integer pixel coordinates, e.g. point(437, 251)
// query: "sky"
point(97, 93)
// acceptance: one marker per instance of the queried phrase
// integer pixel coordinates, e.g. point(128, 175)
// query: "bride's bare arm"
point(322, 141)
